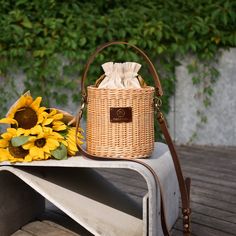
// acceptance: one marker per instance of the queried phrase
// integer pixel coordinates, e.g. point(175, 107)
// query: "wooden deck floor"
point(213, 196)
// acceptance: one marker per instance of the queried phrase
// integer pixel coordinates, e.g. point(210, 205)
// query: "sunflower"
point(11, 153)
point(70, 140)
point(26, 114)
point(37, 133)
point(4, 154)
point(41, 146)
point(54, 120)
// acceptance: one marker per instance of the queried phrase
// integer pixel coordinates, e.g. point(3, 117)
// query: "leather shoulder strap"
point(184, 186)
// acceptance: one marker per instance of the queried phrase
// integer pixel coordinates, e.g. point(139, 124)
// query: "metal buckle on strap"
point(157, 103)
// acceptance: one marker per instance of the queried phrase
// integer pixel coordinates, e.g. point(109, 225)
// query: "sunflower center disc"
point(40, 142)
point(26, 118)
point(18, 152)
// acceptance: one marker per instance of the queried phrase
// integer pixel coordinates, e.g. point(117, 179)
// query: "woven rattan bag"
point(120, 122)
point(120, 126)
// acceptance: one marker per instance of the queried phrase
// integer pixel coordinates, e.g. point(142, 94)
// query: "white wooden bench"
point(85, 196)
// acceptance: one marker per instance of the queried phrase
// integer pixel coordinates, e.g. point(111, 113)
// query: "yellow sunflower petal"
point(52, 143)
point(41, 117)
point(21, 131)
point(73, 148)
point(4, 155)
point(3, 143)
point(36, 103)
point(36, 129)
point(42, 110)
point(28, 145)
point(56, 135)
point(23, 101)
point(80, 142)
point(8, 121)
point(46, 156)
point(27, 99)
point(28, 158)
point(33, 151)
point(64, 142)
point(7, 136)
point(11, 131)
point(46, 149)
point(58, 116)
point(47, 121)
point(47, 130)
point(41, 153)
point(15, 106)
point(58, 126)
point(36, 152)
point(71, 153)
point(13, 160)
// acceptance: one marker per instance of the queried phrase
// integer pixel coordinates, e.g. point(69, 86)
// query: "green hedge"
point(50, 40)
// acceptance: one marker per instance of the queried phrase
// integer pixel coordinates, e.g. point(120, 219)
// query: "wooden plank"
point(203, 149)
point(21, 233)
point(213, 212)
point(202, 230)
point(211, 173)
point(217, 154)
point(210, 179)
point(230, 166)
point(212, 167)
point(213, 194)
point(215, 223)
point(219, 151)
point(41, 229)
point(208, 160)
point(214, 187)
point(57, 226)
point(221, 205)
point(57, 216)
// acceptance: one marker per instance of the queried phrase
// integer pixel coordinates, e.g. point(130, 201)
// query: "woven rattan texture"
point(127, 140)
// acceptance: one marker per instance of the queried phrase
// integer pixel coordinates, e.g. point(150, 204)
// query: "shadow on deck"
point(213, 195)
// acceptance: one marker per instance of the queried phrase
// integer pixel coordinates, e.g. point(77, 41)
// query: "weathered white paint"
point(95, 216)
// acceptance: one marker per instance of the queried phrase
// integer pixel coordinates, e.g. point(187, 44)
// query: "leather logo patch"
point(120, 114)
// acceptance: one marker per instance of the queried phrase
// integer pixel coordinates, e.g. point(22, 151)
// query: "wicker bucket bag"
point(120, 122)
point(120, 126)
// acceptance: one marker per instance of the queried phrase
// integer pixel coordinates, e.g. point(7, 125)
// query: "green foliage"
point(50, 41)
point(60, 153)
point(19, 140)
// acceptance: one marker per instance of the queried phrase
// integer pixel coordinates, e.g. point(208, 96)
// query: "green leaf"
point(196, 80)
point(82, 41)
point(39, 53)
point(60, 153)
point(26, 23)
point(63, 132)
point(18, 141)
point(160, 50)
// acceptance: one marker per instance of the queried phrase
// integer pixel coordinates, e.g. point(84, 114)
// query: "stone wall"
point(220, 128)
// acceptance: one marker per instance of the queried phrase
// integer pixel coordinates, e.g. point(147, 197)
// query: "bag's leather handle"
point(152, 69)
point(184, 185)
